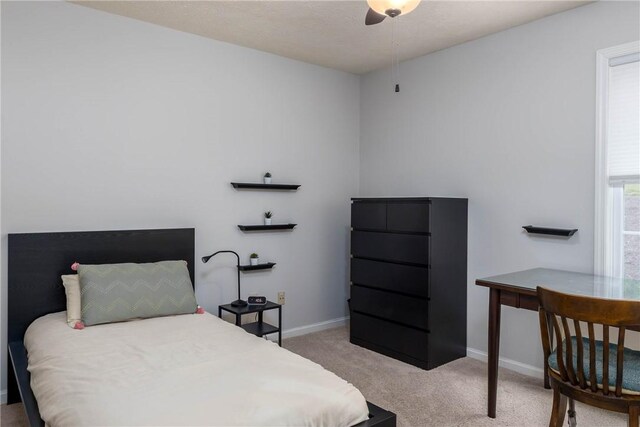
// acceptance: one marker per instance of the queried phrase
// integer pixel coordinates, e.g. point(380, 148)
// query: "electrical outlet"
point(281, 298)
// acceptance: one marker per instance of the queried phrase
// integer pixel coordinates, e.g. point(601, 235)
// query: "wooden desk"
point(519, 290)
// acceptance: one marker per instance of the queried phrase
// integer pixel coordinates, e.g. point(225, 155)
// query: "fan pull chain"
point(395, 57)
point(398, 63)
point(391, 75)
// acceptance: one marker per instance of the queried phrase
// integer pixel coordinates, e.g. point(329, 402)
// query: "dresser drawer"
point(390, 247)
point(408, 217)
point(369, 215)
point(410, 311)
point(394, 337)
point(385, 275)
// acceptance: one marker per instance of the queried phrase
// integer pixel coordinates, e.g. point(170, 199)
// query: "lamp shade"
point(384, 6)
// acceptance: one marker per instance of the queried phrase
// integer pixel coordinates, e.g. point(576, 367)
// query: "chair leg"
point(573, 422)
point(558, 409)
point(634, 413)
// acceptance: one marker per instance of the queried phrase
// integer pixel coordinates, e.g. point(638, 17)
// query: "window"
point(617, 228)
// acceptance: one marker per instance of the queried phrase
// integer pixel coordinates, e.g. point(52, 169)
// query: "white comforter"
point(193, 369)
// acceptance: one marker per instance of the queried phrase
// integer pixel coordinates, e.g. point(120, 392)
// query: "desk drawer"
point(394, 337)
point(390, 247)
point(515, 299)
point(410, 311)
point(385, 275)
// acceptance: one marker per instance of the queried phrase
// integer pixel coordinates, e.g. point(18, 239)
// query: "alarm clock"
point(256, 300)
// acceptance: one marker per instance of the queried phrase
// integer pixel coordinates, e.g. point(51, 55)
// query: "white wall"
point(104, 119)
point(507, 121)
point(111, 123)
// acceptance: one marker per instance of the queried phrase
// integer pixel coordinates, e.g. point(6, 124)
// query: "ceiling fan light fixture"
point(393, 8)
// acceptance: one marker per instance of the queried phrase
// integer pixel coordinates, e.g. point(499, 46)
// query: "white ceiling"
point(332, 33)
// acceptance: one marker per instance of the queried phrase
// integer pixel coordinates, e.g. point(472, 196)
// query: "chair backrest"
point(608, 313)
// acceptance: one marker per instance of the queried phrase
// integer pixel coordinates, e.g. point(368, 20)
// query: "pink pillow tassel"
point(78, 325)
point(200, 310)
point(75, 266)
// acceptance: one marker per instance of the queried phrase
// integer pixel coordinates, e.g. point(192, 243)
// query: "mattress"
point(193, 369)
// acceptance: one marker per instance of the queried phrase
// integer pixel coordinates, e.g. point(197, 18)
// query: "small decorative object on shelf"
point(254, 259)
point(565, 232)
point(267, 178)
point(267, 217)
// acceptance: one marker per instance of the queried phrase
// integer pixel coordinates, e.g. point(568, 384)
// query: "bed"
point(190, 369)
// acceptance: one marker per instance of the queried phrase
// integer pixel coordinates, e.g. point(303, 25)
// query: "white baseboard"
point(314, 327)
point(512, 365)
point(3, 396)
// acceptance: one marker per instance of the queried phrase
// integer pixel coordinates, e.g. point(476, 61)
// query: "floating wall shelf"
point(566, 232)
point(259, 186)
point(266, 266)
point(266, 227)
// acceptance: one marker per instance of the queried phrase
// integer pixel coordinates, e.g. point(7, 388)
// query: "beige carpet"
point(452, 395)
point(13, 416)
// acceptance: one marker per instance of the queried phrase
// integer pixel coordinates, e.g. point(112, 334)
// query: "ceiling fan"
point(380, 9)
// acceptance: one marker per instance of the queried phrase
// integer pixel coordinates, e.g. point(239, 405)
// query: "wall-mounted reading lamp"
point(239, 302)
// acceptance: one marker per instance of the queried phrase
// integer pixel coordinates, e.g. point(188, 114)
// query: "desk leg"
point(219, 312)
point(494, 348)
point(238, 320)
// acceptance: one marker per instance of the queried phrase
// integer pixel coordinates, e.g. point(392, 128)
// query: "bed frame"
point(36, 262)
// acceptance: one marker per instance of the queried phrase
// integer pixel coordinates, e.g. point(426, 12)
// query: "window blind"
point(620, 60)
point(623, 127)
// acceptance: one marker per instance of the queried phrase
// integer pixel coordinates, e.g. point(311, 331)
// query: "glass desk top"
point(567, 282)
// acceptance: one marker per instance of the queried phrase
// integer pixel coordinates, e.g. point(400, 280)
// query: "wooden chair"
point(612, 380)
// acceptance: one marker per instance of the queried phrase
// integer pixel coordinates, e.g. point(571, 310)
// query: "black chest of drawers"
point(409, 278)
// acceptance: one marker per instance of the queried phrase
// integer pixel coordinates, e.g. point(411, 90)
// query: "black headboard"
point(37, 260)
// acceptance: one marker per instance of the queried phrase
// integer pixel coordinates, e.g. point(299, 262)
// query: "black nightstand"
point(258, 328)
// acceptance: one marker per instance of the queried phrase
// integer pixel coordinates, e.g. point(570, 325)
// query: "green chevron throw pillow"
point(118, 292)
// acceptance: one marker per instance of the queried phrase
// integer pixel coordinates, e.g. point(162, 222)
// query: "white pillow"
point(71, 284)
